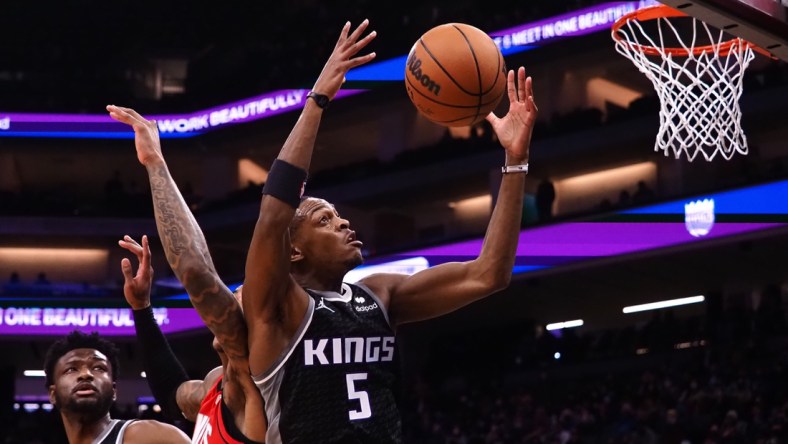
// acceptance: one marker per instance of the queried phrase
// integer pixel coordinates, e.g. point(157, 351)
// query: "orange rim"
point(663, 11)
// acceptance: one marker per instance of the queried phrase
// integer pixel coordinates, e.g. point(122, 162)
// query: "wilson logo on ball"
point(414, 66)
point(455, 75)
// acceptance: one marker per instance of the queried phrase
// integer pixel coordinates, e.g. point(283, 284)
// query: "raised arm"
point(447, 287)
point(166, 377)
point(184, 243)
point(274, 305)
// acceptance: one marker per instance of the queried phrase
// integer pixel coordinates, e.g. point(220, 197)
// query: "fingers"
point(127, 116)
point(130, 244)
point(125, 267)
point(521, 84)
point(360, 30)
point(119, 115)
point(492, 118)
point(529, 91)
point(359, 45)
point(510, 87)
point(358, 61)
point(145, 263)
point(343, 34)
point(134, 114)
point(130, 240)
point(351, 44)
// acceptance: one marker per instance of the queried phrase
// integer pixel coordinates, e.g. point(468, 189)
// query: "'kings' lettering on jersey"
point(348, 350)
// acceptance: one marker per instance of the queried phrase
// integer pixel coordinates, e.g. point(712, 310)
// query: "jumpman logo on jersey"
point(322, 304)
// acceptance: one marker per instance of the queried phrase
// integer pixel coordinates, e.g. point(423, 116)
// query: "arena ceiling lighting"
point(664, 304)
point(34, 373)
point(565, 324)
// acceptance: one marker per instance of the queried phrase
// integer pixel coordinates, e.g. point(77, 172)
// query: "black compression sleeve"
point(285, 182)
point(163, 371)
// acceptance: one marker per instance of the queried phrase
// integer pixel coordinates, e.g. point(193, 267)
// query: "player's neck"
point(80, 430)
point(320, 282)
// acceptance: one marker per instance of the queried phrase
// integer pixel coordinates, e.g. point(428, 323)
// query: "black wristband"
point(285, 182)
point(321, 100)
point(162, 369)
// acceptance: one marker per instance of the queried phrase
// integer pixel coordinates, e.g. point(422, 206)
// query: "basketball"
point(455, 75)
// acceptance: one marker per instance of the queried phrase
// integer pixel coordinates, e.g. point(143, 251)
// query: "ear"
point(52, 398)
point(296, 254)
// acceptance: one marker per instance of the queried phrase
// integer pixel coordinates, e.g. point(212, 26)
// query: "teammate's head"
point(80, 374)
point(321, 239)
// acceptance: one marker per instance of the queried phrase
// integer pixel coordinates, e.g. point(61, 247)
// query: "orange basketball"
point(455, 75)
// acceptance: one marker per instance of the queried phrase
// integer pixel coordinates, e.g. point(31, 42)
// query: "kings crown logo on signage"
point(699, 217)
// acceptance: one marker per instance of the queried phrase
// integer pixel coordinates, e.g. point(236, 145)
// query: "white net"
point(698, 84)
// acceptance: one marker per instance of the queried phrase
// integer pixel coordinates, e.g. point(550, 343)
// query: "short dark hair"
point(297, 219)
point(74, 340)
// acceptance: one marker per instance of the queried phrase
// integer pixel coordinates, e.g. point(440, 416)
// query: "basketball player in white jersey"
point(80, 373)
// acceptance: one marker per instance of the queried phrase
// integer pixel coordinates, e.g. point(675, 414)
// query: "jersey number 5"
point(361, 395)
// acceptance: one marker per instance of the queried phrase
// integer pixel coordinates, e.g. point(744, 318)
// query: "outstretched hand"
point(146, 133)
point(342, 59)
point(515, 128)
point(137, 288)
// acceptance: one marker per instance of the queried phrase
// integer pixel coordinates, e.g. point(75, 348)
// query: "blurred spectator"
point(41, 279)
point(14, 279)
point(624, 199)
point(643, 194)
point(545, 196)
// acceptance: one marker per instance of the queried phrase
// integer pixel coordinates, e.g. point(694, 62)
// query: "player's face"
point(83, 383)
point(324, 238)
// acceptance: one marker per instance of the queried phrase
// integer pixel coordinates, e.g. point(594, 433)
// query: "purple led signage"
point(576, 23)
point(106, 321)
point(575, 241)
point(717, 215)
point(170, 126)
point(584, 21)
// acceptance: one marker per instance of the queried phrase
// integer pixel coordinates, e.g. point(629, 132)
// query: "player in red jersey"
point(200, 401)
point(187, 253)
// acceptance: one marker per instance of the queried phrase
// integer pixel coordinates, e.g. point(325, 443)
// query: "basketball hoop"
point(698, 81)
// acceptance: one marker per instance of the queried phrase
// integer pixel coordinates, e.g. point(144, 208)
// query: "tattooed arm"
point(184, 243)
point(187, 254)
